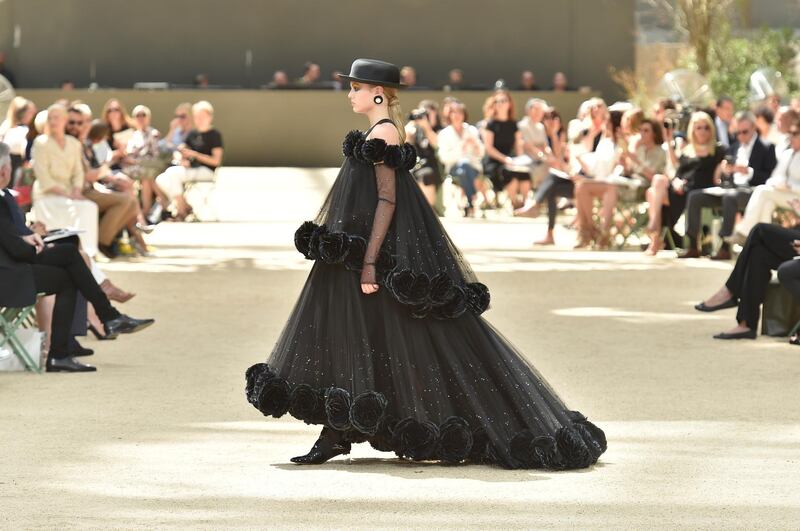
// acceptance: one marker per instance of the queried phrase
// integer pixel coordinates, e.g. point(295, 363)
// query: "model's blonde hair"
point(395, 112)
point(701, 117)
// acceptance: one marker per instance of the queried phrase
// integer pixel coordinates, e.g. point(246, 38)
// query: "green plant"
point(731, 60)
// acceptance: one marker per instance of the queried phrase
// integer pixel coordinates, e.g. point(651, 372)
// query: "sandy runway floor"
point(702, 434)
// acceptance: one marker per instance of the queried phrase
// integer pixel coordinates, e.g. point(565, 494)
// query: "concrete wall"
point(117, 42)
point(281, 128)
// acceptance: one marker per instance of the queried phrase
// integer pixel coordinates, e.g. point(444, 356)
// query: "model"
point(386, 343)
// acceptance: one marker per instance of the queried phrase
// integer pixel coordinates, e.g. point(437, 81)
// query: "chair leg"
point(10, 321)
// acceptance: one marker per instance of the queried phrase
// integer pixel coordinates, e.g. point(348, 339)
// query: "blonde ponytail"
point(395, 113)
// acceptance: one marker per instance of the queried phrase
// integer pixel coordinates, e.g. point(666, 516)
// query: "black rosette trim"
point(365, 419)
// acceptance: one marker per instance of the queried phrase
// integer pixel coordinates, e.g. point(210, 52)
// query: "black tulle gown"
point(413, 369)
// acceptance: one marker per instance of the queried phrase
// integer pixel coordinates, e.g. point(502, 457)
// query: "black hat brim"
point(372, 81)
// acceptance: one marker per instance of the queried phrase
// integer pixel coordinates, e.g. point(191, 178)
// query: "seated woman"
point(461, 151)
point(502, 140)
point(144, 161)
point(596, 166)
point(780, 189)
point(201, 155)
point(697, 167)
point(58, 199)
point(767, 247)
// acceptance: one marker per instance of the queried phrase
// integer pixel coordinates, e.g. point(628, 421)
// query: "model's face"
point(361, 96)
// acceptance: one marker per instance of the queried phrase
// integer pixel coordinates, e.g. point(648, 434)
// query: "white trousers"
point(173, 180)
point(58, 212)
point(762, 204)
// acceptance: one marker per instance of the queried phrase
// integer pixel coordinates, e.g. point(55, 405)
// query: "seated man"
point(200, 156)
point(749, 162)
point(779, 191)
point(767, 247)
point(29, 267)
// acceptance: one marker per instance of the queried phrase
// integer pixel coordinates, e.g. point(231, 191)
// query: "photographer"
point(748, 164)
point(421, 132)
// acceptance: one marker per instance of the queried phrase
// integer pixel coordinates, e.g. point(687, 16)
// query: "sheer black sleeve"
point(384, 212)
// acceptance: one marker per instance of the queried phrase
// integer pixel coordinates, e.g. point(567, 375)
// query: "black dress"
point(698, 172)
point(414, 369)
point(505, 136)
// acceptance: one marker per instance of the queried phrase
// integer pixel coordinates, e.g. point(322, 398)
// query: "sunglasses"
point(141, 115)
point(743, 132)
point(114, 109)
point(702, 128)
point(501, 100)
point(75, 122)
point(181, 116)
point(796, 132)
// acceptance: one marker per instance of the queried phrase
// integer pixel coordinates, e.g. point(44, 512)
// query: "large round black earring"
point(378, 99)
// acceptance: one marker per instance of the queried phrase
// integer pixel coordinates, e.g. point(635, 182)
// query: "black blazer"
point(17, 286)
point(762, 160)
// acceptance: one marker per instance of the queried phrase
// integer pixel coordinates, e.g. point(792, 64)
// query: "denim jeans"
point(466, 175)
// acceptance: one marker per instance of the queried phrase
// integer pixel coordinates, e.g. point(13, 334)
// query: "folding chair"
point(11, 320)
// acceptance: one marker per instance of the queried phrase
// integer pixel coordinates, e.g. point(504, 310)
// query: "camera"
point(672, 120)
point(418, 114)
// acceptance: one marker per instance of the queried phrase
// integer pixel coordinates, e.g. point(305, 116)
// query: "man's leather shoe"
point(126, 325)
point(67, 365)
point(722, 254)
point(689, 253)
point(730, 303)
point(750, 334)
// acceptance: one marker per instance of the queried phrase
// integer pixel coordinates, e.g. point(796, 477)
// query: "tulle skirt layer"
point(453, 390)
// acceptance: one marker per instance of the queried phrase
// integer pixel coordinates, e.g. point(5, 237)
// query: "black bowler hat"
point(374, 72)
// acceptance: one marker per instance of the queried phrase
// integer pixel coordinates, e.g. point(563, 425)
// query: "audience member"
point(455, 80)
point(780, 189)
point(461, 152)
point(697, 167)
point(201, 155)
point(560, 82)
point(201, 81)
point(14, 131)
point(502, 140)
point(179, 127)
point(311, 74)
point(765, 119)
point(58, 199)
point(280, 80)
point(534, 139)
point(528, 81)
point(67, 85)
point(5, 71)
point(767, 247)
point(723, 120)
point(750, 162)
point(408, 77)
point(144, 162)
point(120, 129)
point(421, 132)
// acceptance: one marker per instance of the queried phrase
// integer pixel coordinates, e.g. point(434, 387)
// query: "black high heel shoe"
point(97, 335)
point(323, 450)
